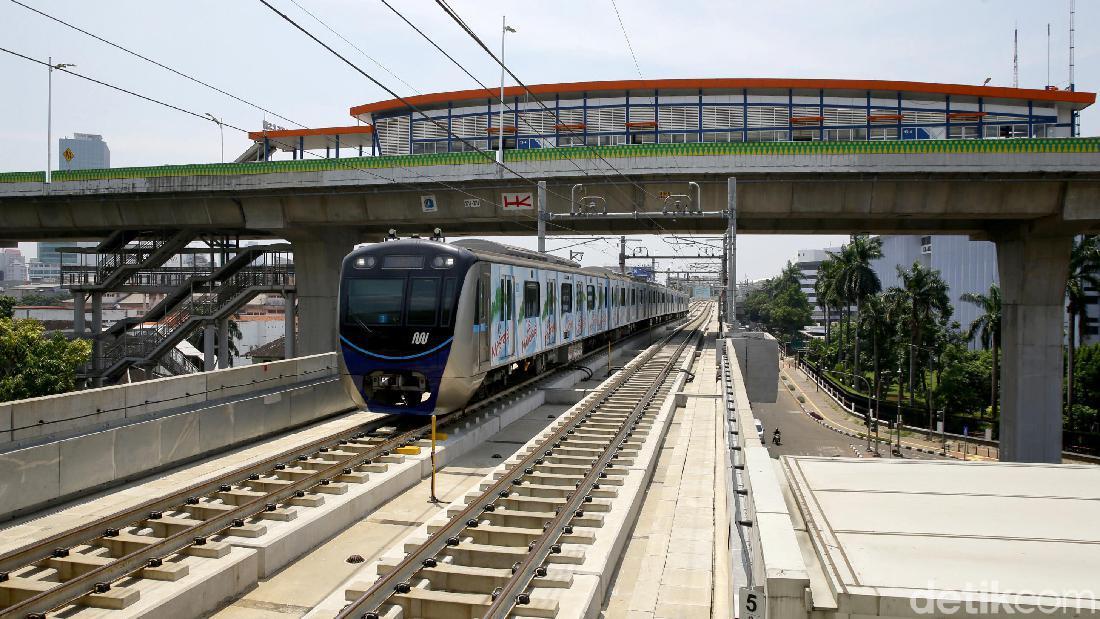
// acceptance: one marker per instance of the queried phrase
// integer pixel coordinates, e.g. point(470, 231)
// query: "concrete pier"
point(317, 258)
point(1033, 270)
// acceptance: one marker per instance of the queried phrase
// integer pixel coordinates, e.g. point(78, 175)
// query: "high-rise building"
point(808, 263)
point(13, 267)
point(83, 151)
point(48, 252)
point(966, 266)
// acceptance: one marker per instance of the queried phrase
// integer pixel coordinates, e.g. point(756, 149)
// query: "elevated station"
point(638, 156)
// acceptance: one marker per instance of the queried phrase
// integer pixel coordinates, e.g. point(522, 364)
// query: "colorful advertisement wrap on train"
point(550, 310)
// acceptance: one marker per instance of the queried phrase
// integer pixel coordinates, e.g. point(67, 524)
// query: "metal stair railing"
point(120, 256)
point(207, 298)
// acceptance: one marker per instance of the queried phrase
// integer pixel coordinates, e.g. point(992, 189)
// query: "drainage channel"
point(504, 546)
point(102, 563)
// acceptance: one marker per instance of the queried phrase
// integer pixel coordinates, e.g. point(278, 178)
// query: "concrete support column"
point(209, 334)
point(97, 327)
point(223, 343)
point(543, 214)
point(289, 315)
point(79, 306)
point(1033, 272)
point(318, 254)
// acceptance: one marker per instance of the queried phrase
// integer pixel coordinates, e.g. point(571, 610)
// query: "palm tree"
point(858, 280)
point(826, 288)
point(1084, 271)
point(928, 303)
point(988, 327)
point(875, 319)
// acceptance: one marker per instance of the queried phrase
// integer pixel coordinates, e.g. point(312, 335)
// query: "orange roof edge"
point(294, 133)
point(994, 92)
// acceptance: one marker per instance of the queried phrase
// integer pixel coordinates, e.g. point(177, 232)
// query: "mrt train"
point(425, 325)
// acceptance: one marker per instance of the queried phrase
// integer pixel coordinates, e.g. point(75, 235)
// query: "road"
point(803, 436)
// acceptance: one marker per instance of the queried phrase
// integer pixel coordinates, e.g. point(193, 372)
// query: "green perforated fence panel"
point(691, 149)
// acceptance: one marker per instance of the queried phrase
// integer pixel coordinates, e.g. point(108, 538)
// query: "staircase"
point(150, 341)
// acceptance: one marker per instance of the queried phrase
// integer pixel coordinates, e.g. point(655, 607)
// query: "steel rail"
point(99, 578)
point(511, 593)
point(396, 579)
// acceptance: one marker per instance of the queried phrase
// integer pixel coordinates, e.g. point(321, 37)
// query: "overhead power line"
point(627, 37)
point(473, 35)
point(411, 106)
point(157, 63)
point(357, 48)
point(119, 88)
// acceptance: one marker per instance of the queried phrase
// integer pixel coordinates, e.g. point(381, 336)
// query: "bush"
point(801, 398)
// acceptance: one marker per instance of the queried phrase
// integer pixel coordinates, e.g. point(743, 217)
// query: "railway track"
point(511, 536)
point(83, 566)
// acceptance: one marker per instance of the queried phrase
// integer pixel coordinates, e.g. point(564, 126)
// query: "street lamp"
point(49, 113)
point(221, 131)
point(504, 29)
point(868, 416)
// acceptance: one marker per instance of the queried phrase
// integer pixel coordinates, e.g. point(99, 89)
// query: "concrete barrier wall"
point(776, 560)
point(24, 423)
point(56, 470)
point(758, 356)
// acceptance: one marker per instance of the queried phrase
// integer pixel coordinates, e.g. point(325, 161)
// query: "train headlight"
point(365, 262)
point(443, 262)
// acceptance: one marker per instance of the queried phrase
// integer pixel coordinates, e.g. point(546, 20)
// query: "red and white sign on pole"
point(517, 201)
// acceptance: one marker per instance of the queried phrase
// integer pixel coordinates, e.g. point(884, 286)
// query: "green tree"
point(33, 364)
point(965, 375)
point(1084, 271)
point(1086, 376)
point(988, 327)
point(6, 305)
point(827, 291)
point(858, 281)
point(928, 305)
point(196, 340)
point(788, 308)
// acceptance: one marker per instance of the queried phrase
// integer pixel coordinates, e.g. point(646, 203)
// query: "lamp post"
point(868, 416)
point(221, 131)
point(504, 29)
point(49, 113)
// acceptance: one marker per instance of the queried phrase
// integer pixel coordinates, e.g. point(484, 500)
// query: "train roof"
point(492, 247)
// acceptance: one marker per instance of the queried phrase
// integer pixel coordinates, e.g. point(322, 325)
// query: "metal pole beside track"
point(435, 499)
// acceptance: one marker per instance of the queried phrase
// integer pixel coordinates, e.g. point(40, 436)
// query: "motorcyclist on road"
point(777, 437)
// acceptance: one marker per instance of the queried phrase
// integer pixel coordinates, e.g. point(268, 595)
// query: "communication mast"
point(1015, 58)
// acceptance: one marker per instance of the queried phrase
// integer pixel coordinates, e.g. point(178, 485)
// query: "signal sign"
point(517, 201)
point(68, 154)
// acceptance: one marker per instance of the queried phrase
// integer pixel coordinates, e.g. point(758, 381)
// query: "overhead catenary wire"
point(157, 63)
point(409, 104)
point(626, 36)
point(353, 45)
point(206, 119)
point(473, 35)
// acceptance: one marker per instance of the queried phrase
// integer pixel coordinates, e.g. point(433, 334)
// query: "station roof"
point(314, 139)
point(839, 87)
point(901, 529)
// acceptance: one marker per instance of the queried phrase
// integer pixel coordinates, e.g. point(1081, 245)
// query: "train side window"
point(591, 298)
point(423, 301)
point(447, 303)
point(606, 297)
point(566, 298)
point(551, 296)
point(509, 301)
point(530, 299)
point(633, 296)
point(622, 297)
point(502, 296)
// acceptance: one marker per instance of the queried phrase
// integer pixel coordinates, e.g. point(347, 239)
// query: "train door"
point(483, 315)
point(566, 317)
point(530, 312)
point(550, 310)
point(579, 314)
point(502, 314)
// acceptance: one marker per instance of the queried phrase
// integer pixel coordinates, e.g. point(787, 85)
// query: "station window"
point(845, 135)
point(1006, 131)
point(423, 301)
point(805, 135)
point(767, 136)
point(962, 133)
point(530, 299)
point(566, 298)
point(884, 133)
point(591, 298)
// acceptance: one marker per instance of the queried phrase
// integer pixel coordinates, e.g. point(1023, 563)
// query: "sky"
point(243, 48)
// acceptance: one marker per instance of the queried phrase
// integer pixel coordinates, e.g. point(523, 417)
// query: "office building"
point(83, 151)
